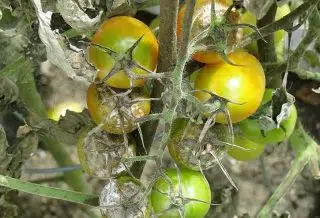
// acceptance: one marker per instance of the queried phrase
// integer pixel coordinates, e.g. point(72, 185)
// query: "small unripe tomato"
point(252, 129)
point(116, 113)
point(119, 34)
point(253, 149)
point(100, 153)
point(243, 85)
point(185, 149)
point(124, 197)
point(202, 20)
point(279, 36)
point(60, 109)
point(192, 184)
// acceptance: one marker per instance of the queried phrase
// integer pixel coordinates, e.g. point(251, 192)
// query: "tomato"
point(100, 153)
point(193, 185)
point(185, 149)
point(243, 85)
point(124, 197)
point(201, 20)
point(109, 110)
point(279, 36)
point(60, 109)
point(254, 150)
point(251, 129)
point(119, 34)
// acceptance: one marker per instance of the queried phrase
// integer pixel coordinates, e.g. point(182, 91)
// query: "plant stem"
point(266, 49)
point(306, 149)
point(278, 25)
point(166, 60)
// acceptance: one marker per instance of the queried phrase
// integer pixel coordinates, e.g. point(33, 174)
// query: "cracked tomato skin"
point(193, 185)
point(254, 150)
point(119, 34)
point(101, 103)
point(201, 20)
point(243, 85)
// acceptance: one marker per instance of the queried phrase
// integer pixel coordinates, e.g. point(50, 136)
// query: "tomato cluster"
point(119, 96)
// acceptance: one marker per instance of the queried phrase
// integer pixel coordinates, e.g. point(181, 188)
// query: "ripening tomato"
point(253, 149)
point(251, 129)
point(104, 109)
point(243, 85)
point(119, 34)
point(193, 185)
point(201, 20)
point(60, 109)
point(279, 36)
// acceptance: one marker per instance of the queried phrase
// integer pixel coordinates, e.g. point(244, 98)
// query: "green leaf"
point(312, 58)
point(50, 192)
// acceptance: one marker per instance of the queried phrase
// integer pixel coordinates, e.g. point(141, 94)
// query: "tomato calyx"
point(125, 62)
point(115, 110)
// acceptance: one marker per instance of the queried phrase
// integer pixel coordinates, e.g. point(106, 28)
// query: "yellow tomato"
point(119, 34)
point(60, 109)
point(243, 85)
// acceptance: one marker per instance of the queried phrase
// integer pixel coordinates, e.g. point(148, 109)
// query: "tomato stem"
point(306, 150)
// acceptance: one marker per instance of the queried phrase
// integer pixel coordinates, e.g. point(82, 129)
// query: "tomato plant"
point(201, 21)
point(120, 41)
point(100, 153)
point(58, 110)
point(252, 150)
point(117, 114)
point(242, 85)
point(194, 188)
point(185, 149)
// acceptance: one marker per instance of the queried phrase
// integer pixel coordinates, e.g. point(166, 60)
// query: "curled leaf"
point(74, 15)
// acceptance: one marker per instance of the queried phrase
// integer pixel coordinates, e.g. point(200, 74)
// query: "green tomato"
point(193, 186)
point(253, 150)
point(251, 129)
point(279, 36)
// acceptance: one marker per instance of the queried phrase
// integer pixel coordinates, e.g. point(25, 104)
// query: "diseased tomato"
point(187, 152)
point(243, 85)
point(252, 129)
point(201, 20)
point(100, 153)
point(60, 109)
point(279, 36)
point(194, 188)
point(124, 197)
point(254, 150)
point(119, 34)
point(117, 114)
